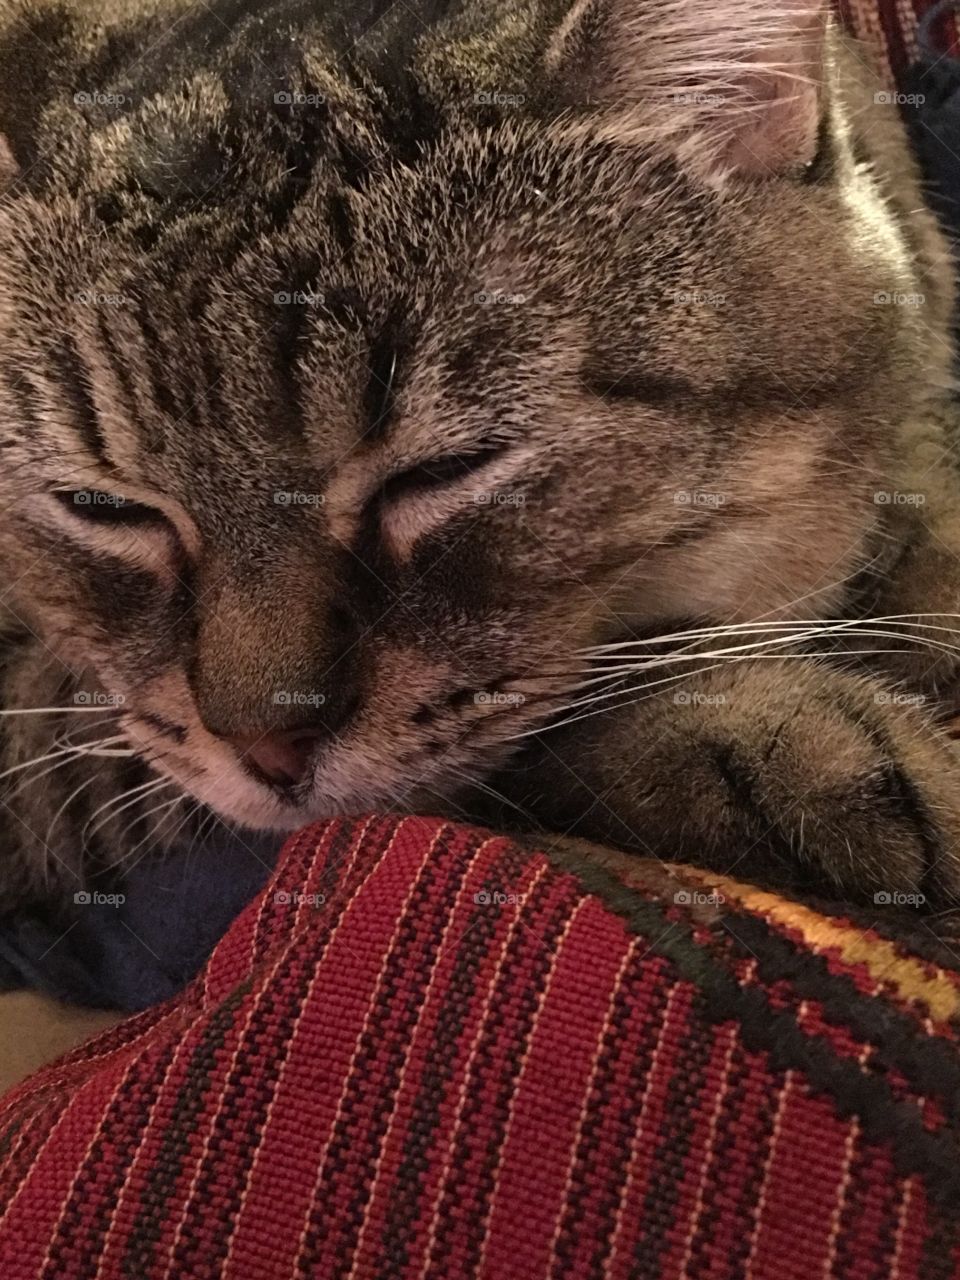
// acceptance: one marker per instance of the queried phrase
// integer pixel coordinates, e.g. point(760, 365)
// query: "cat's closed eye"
point(418, 499)
point(440, 471)
point(100, 507)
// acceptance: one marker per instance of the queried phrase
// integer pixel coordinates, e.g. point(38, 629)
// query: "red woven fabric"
point(427, 1052)
point(890, 28)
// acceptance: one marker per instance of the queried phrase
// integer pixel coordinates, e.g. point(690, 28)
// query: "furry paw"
point(794, 774)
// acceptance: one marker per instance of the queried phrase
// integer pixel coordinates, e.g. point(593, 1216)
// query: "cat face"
point(330, 488)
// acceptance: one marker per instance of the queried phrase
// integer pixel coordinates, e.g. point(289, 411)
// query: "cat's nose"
point(282, 756)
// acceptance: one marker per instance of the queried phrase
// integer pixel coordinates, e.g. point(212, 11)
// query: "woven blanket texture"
point(890, 28)
point(425, 1051)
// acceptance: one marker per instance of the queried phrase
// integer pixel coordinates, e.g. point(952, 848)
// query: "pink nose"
point(281, 756)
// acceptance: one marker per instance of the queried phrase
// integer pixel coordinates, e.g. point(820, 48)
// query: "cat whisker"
point(31, 779)
point(67, 736)
point(806, 626)
point(773, 640)
point(112, 807)
point(476, 783)
point(49, 711)
point(516, 685)
point(127, 861)
point(598, 697)
point(207, 825)
point(64, 807)
point(649, 692)
point(157, 843)
point(51, 755)
point(529, 733)
point(202, 833)
point(744, 654)
point(727, 655)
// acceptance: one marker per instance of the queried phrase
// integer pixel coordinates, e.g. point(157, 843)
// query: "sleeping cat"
point(542, 406)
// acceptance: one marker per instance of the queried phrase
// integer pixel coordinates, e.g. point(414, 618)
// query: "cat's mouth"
point(277, 786)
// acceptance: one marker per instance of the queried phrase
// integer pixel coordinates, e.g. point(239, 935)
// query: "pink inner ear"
point(734, 84)
point(773, 114)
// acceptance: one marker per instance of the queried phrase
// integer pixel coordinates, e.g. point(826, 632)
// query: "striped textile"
point(890, 28)
point(426, 1051)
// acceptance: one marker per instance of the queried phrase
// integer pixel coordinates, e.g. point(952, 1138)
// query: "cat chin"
point(238, 801)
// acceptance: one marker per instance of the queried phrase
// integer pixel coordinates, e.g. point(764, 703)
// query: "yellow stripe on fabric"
point(882, 960)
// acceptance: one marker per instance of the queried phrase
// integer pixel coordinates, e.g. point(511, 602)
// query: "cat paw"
point(792, 774)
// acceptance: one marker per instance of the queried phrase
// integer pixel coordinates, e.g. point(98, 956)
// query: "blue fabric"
point(134, 954)
point(931, 89)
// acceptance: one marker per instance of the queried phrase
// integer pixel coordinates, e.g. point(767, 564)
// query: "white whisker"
point(51, 755)
point(130, 797)
point(31, 779)
point(812, 626)
point(49, 711)
point(164, 809)
point(769, 641)
point(606, 710)
point(471, 781)
point(66, 804)
point(191, 812)
point(683, 675)
point(727, 657)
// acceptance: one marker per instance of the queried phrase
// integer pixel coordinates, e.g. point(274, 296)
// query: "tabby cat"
point(539, 410)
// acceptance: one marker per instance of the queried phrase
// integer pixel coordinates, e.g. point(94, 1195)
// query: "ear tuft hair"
point(735, 84)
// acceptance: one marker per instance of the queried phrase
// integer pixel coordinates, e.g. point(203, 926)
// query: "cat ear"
point(734, 84)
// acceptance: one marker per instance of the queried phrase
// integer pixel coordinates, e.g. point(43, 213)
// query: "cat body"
point(443, 405)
